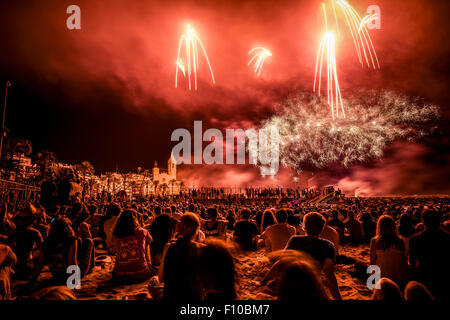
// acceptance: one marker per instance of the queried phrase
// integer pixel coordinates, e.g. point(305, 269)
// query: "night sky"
point(106, 93)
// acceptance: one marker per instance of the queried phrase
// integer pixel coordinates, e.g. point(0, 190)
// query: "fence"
point(15, 193)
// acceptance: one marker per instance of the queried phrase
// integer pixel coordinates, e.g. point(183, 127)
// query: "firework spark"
point(328, 47)
point(309, 140)
point(191, 42)
point(260, 54)
point(358, 30)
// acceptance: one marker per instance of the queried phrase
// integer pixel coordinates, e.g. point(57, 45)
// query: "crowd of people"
point(185, 247)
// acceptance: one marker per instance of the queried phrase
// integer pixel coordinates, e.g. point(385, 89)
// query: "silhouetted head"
point(300, 281)
point(431, 219)
point(245, 213)
point(415, 291)
point(127, 224)
point(188, 225)
point(388, 291)
point(217, 271)
point(281, 215)
point(313, 223)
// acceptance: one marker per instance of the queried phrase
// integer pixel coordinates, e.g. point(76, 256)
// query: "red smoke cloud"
point(126, 51)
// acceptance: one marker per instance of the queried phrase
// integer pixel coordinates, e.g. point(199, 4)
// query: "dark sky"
point(105, 93)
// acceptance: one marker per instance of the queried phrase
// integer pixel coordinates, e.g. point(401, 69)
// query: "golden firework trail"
point(327, 49)
point(358, 30)
point(260, 54)
point(192, 43)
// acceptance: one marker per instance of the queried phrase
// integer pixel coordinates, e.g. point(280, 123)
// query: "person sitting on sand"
point(320, 249)
point(428, 253)
point(217, 272)
point(267, 220)
point(161, 230)
point(276, 236)
point(178, 270)
point(24, 240)
point(415, 291)
point(245, 231)
point(109, 225)
point(369, 226)
point(387, 290)
point(7, 260)
point(337, 223)
point(329, 233)
point(354, 229)
point(58, 252)
point(388, 251)
point(133, 259)
point(213, 226)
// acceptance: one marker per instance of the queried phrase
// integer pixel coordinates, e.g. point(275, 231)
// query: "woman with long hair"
point(388, 251)
point(268, 219)
point(133, 259)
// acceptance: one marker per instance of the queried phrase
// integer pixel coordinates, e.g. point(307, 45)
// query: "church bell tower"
point(172, 167)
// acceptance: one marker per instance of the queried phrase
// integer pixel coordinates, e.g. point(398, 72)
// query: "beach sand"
point(251, 267)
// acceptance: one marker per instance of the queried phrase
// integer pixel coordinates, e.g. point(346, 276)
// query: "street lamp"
point(3, 132)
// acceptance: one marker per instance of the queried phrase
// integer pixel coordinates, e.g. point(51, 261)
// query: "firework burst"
point(192, 43)
point(260, 54)
point(310, 140)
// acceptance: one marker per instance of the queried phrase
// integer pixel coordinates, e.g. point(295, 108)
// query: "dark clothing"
point(161, 231)
point(211, 227)
point(231, 221)
point(57, 258)
point(406, 230)
point(355, 230)
point(24, 241)
point(244, 231)
point(431, 249)
point(369, 229)
point(319, 249)
point(337, 223)
point(181, 271)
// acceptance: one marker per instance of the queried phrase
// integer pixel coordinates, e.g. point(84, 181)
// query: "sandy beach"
point(251, 268)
